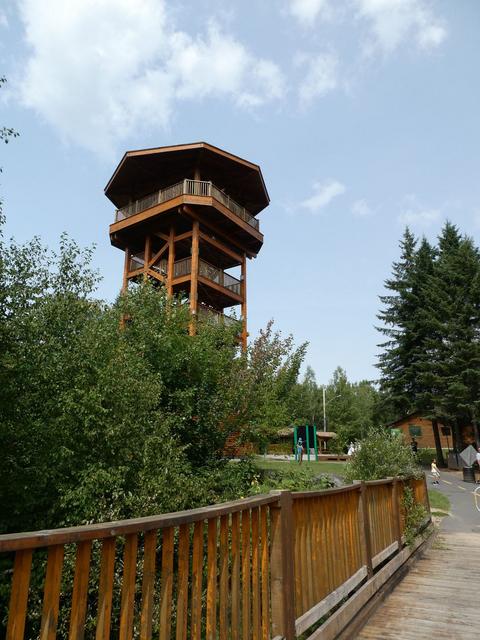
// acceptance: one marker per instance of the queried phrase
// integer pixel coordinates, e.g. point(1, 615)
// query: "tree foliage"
point(381, 454)
point(112, 410)
point(351, 408)
point(431, 320)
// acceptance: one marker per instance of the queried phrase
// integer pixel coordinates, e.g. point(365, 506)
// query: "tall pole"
point(243, 289)
point(194, 279)
point(324, 411)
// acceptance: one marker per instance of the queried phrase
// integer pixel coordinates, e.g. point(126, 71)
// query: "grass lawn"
point(438, 501)
point(290, 465)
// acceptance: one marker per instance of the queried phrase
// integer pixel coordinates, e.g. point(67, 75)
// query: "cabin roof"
point(143, 171)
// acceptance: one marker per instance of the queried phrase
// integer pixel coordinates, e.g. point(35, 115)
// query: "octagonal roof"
point(145, 171)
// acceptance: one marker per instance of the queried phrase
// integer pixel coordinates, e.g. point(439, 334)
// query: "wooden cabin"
point(414, 425)
point(185, 216)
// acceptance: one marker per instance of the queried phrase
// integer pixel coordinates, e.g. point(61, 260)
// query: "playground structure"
point(308, 435)
point(186, 214)
point(314, 442)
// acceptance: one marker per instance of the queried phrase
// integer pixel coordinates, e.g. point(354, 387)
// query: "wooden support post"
point(147, 256)
point(427, 499)
point(171, 260)
point(125, 270)
point(194, 278)
point(365, 528)
point(396, 505)
point(244, 302)
point(282, 568)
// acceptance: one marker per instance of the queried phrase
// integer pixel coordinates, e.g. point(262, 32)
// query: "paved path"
point(438, 599)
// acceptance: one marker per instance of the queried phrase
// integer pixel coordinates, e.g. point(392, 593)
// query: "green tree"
point(431, 319)
point(455, 348)
point(266, 385)
point(307, 400)
point(101, 419)
point(350, 408)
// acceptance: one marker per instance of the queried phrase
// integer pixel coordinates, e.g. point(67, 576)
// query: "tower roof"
point(144, 171)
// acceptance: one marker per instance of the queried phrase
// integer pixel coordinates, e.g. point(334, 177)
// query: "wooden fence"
point(259, 568)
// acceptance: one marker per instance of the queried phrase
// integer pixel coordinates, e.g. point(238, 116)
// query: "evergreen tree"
point(431, 318)
point(394, 316)
point(407, 357)
point(456, 292)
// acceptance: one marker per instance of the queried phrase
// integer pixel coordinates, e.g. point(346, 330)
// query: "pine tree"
point(456, 288)
point(394, 317)
point(406, 361)
point(431, 361)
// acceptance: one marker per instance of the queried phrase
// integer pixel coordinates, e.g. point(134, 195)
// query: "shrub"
point(280, 448)
point(381, 454)
point(290, 480)
point(425, 456)
point(414, 513)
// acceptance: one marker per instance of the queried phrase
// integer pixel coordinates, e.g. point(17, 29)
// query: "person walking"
point(299, 451)
point(435, 472)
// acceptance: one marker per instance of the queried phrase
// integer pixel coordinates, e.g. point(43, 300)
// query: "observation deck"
point(184, 215)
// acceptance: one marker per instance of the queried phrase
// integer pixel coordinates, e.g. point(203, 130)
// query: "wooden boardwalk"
point(438, 599)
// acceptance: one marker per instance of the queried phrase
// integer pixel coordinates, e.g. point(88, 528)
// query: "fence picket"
point(273, 564)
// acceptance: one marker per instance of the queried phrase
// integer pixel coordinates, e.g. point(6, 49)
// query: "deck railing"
point(209, 271)
point(215, 316)
point(184, 267)
point(265, 567)
point(191, 188)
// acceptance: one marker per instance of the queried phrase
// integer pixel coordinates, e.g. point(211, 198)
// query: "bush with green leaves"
point(426, 456)
point(112, 411)
point(381, 454)
point(280, 448)
point(414, 515)
point(305, 479)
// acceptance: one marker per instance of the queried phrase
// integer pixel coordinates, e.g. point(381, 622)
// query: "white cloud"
point(100, 69)
point(416, 215)
point(307, 11)
point(393, 22)
point(320, 78)
point(323, 194)
point(361, 209)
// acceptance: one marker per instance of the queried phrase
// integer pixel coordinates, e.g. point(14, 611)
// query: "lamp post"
point(324, 407)
point(324, 412)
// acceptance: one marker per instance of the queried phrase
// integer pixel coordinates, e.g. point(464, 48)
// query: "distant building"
point(415, 426)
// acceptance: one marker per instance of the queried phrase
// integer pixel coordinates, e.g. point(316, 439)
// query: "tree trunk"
point(438, 444)
point(475, 431)
point(458, 444)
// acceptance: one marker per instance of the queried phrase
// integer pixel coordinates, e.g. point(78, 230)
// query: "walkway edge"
point(351, 617)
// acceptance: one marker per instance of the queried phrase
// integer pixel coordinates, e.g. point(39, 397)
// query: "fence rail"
point(187, 187)
point(265, 567)
point(184, 267)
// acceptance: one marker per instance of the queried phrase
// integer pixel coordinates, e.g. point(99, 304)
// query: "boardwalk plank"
point(436, 599)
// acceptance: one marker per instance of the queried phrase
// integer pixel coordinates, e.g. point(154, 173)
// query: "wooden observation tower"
point(185, 215)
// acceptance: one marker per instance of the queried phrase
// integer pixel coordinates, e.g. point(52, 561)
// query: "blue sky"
point(363, 114)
